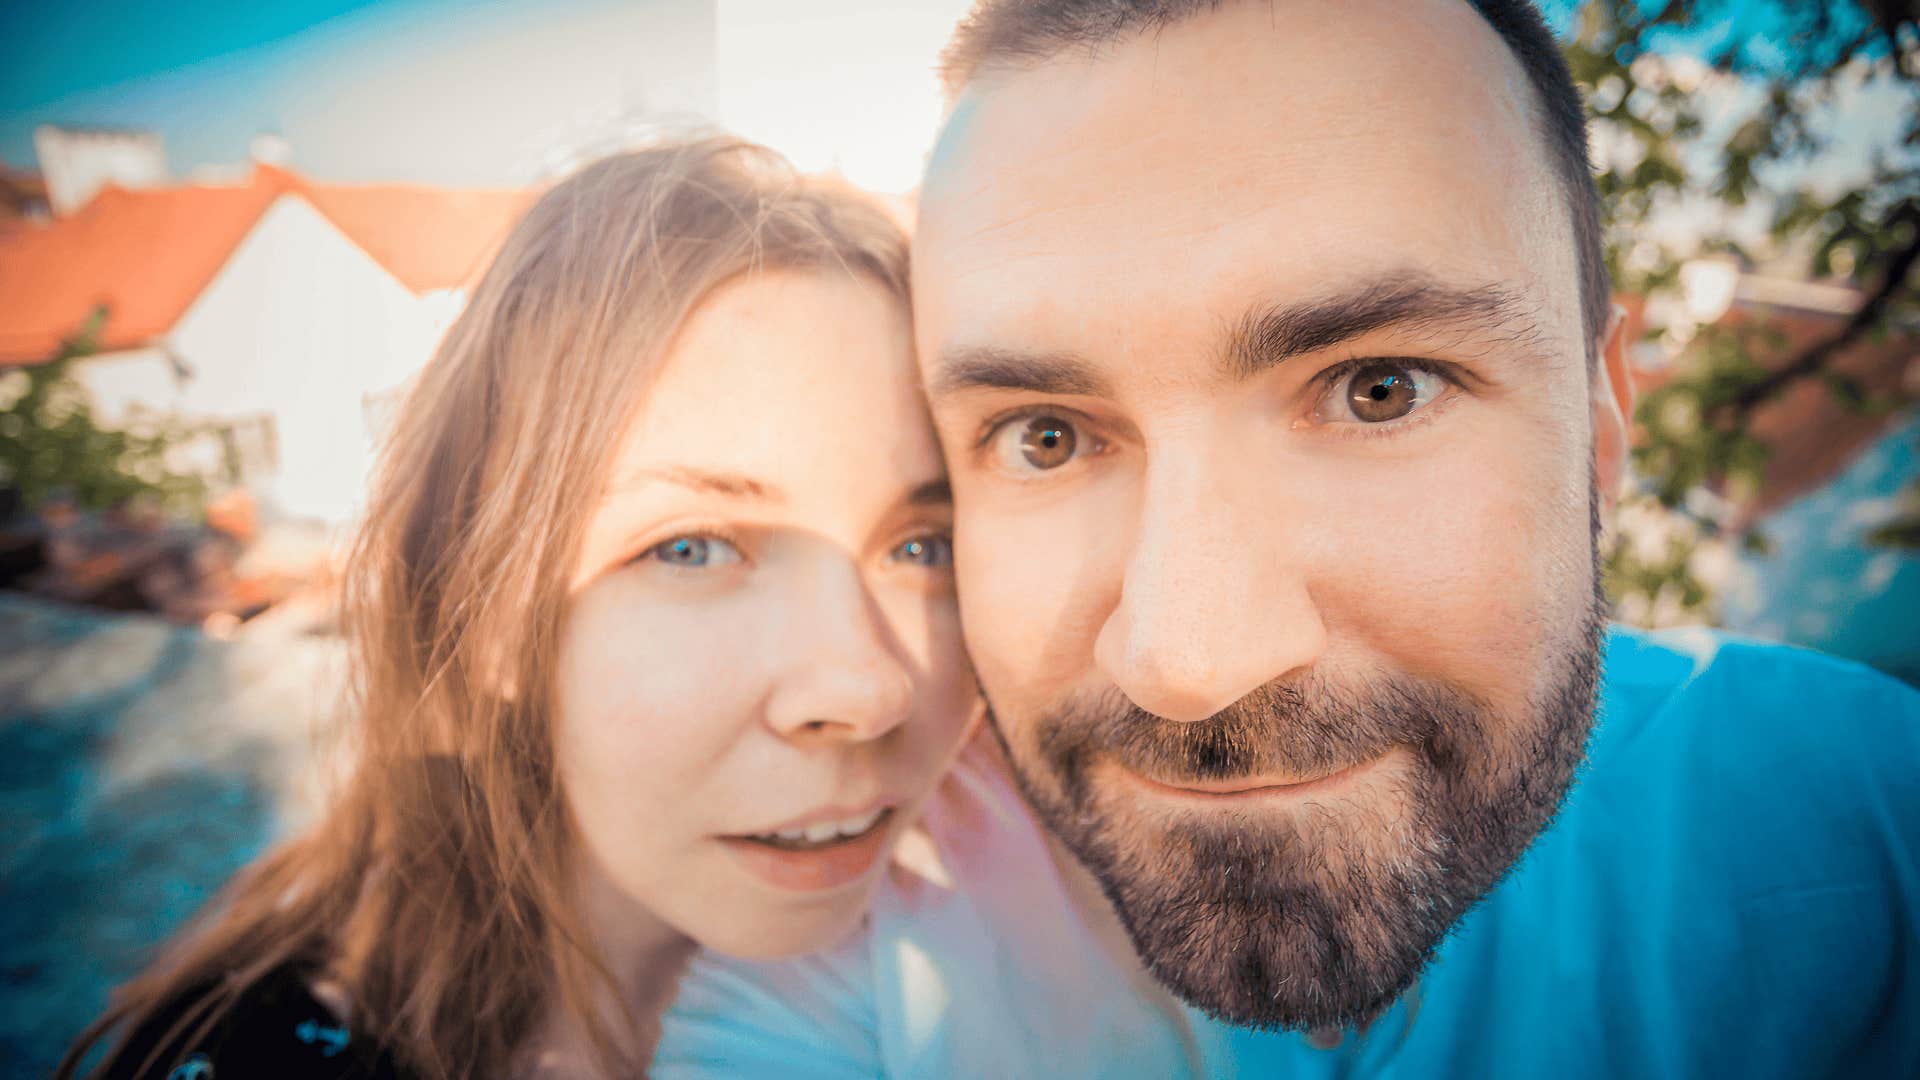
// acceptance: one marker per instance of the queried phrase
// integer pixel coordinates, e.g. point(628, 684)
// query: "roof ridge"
point(149, 253)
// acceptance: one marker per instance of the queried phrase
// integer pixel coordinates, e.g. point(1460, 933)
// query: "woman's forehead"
point(794, 383)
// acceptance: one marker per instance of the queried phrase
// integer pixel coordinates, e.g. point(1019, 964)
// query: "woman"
point(655, 640)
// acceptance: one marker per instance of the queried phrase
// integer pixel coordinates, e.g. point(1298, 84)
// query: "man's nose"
point(1215, 601)
point(843, 679)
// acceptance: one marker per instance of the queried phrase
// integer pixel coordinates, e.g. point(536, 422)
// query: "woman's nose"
point(845, 679)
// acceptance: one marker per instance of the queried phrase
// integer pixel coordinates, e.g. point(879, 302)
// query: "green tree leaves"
point(52, 448)
point(1713, 114)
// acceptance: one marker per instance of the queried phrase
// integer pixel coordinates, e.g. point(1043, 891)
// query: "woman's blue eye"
point(695, 551)
point(931, 550)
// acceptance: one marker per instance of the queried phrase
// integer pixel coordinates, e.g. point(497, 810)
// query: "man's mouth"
point(1245, 788)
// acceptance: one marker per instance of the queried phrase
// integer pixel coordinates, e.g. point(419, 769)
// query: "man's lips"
point(1244, 788)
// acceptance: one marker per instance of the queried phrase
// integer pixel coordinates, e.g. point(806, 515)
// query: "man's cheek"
point(1487, 581)
point(1021, 580)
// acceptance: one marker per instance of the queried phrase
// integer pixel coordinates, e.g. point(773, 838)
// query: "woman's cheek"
point(650, 692)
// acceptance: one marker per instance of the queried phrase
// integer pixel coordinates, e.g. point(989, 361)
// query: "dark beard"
point(1304, 923)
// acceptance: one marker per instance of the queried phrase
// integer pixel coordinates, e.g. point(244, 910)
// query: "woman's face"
point(762, 672)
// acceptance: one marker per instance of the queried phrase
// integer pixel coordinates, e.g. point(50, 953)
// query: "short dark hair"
point(1017, 33)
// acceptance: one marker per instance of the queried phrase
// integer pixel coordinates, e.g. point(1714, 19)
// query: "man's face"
point(1255, 350)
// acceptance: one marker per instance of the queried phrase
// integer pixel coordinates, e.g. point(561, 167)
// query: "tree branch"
point(1817, 355)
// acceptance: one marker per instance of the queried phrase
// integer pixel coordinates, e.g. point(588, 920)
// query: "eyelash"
point(1328, 379)
point(1331, 377)
point(734, 540)
point(923, 534)
point(995, 424)
point(694, 532)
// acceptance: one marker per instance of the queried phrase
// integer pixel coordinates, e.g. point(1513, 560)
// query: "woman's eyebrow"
point(936, 492)
point(731, 485)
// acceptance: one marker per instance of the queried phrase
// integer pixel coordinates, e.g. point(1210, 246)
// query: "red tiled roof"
point(148, 254)
point(144, 254)
point(429, 238)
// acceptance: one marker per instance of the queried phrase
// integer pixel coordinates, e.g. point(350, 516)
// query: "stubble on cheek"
point(1499, 565)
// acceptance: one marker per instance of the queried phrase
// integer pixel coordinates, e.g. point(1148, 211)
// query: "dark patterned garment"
point(277, 1029)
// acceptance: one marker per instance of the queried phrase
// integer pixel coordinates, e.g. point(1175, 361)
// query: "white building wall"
point(78, 162)
point(302, 326)
point(121, 383)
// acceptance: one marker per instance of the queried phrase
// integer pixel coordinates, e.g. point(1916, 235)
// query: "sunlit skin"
point(1097, 234)
point(763, 631)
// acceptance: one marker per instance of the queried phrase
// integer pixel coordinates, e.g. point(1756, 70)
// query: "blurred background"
point(231, 233)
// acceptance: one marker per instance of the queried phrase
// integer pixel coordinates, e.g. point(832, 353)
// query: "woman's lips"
point(824, 822)
point(808, 865)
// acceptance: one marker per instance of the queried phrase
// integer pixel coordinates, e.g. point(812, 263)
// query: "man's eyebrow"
point(732, 485)
point(990, 368)
point(1266, 337)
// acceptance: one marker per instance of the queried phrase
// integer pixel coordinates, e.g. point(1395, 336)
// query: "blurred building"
point(23, 198)
point(280, 313)
point(1822, 582)
point(1833, 475)
point(77, 162)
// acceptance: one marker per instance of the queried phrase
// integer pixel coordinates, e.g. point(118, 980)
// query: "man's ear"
point(1612, 397)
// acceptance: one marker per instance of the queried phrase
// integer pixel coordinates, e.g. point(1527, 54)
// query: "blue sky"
point(66, 61)
point(426, 90)
point(61, 49)
point(452, 92)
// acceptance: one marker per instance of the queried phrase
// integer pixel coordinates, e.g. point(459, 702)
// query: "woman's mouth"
point(817, 856)
point(822, 834)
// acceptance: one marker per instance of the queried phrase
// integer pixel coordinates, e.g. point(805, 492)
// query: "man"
point(1271, 352)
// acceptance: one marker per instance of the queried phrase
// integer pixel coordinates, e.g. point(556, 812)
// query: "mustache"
point(1303, 725)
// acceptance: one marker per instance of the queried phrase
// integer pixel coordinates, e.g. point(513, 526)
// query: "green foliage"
point(1660, 582)
point(52, 448)
point(1904, 530)
point(1681, 450)
point(1665, 148)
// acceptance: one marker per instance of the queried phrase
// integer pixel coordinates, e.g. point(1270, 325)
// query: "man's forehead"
point(1306, 132)
point(1298, 59)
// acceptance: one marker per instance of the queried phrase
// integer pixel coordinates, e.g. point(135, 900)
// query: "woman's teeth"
point(823, 832)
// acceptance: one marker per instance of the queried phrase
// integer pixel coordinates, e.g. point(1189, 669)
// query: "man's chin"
point(1258, 983)
point(1273, 927)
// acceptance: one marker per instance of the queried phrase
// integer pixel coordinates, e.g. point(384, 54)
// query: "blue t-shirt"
point(1731, 890)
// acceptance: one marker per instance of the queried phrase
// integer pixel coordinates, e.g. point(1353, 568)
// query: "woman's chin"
point(807, 927)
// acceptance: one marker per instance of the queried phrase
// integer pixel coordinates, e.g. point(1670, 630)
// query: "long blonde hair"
point(433, 890)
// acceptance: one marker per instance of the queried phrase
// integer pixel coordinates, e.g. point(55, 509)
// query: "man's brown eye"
point(1381, 392)
point(1047, 442)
